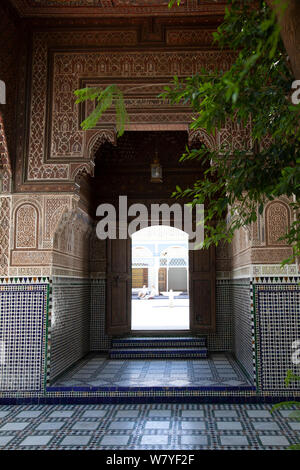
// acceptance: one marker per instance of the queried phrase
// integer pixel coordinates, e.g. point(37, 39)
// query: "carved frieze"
point(57, 121)
point(277, 222)
point(26, 227)
point(5, 208)
point(5, 163)
point(111, 8)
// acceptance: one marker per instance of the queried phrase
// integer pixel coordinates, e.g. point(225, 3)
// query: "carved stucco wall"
point(5, 160)
point(260, 245)
point(9, 40)
point(71, 245)
point(58, 150)
point(49, 236)
point(5, 210)
point(117, 7)
point(5, 201)
point(57, 146)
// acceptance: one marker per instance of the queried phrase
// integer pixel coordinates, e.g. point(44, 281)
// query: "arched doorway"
point(202, 310)
point(125, 170)
point(160, 293)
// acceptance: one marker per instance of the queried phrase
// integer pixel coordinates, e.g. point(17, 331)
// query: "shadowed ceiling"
point(32, 8)
point(125, 168)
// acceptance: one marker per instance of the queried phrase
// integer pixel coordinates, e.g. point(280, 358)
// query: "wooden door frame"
point(190, 331)
point(122, 277)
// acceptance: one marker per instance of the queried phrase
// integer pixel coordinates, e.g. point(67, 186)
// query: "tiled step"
point(158, 353)
point(159, 342)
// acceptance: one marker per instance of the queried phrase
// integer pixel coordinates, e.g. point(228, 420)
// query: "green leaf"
point(104, 98)
point(294, 447)
point(284, 404)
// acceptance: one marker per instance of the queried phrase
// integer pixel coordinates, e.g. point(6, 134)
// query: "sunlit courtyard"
point(157, 314)
point(160, 298)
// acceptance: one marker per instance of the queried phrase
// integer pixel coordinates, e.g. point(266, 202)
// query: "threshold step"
point(158, 353)
point(159, 342)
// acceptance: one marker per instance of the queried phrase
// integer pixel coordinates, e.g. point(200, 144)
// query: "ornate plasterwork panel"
point(26, 220)
point(277, 222)
point(235, 136)
point(270, 255)
point(5, 164)
point(49, 235)
point(261, 270)
point(188, 37)
point(54, 118)
point(5, 214)
point(10, 33)
point(264, 247)
point(71, 245)
point(35, 218)
point(37, 213)
point(54, 208)
point(201, 135)
point(110, 8)
point(259, 242)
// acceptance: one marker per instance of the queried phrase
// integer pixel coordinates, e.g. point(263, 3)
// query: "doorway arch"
point(124, 170)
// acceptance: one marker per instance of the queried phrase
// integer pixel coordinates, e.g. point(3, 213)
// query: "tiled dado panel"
point(277, 326)
point(23, 334)
point(242, 324)
point(98, 339)
point(70, 323)
point(222, 340)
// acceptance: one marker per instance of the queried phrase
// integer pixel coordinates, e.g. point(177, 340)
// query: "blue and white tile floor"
point(219, 370)
point(138, 427)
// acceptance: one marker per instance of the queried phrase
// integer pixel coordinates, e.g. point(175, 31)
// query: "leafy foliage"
point(290, 377)
point(172, 2)
point(104, 99)
point(256, 88)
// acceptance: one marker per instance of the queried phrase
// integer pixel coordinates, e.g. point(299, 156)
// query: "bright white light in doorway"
point(160, 293)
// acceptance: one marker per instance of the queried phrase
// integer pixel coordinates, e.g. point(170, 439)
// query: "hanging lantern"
point(156, 171)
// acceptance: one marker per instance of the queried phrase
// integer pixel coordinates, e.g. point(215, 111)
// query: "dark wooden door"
point(118, 315)
point(202, 290)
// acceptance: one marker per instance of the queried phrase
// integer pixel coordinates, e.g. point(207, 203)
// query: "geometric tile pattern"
point(23, 313)
point(158, 353)
point(277, 314)
point(99, 341)
point(158, 342)
point(146, 427)
point(219, 370)
point(242, 319)
point(70, 317)
point(221, 340)
point(159, 347)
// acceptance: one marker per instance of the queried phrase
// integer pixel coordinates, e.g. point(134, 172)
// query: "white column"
point(155, 272)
